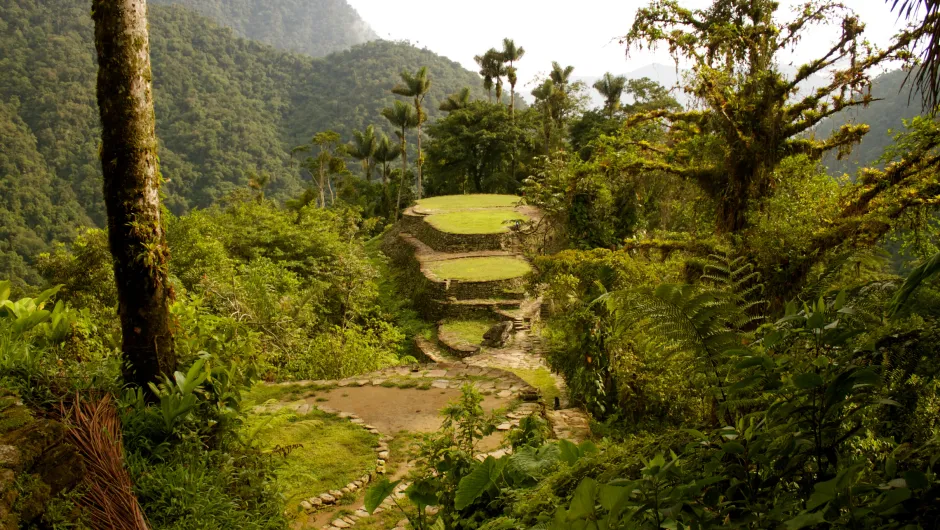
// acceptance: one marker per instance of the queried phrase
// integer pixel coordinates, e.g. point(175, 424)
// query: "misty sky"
point(581, 32)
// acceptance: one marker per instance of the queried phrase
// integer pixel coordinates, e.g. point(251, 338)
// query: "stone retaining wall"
point(448, 242)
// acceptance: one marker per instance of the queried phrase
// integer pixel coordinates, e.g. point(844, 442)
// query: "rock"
point(316, 502)
point(352, 486)
point(349, 520)
point(504, 393)
point(503, 427)
point(383, 455)
point(365, 479)
point(436, 374)
point(327, 498)
point(374, 431)
point(345, 490)
point(361, 513)
point(9, 456)
point(306, 506)
point(498, 335)
point(339, 523)
point(336, 493)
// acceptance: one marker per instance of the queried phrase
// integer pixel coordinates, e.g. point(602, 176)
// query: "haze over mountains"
point(313, 27)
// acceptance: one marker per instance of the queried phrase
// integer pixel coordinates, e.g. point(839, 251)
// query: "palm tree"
point(416, 86)
point(491, 68)
point(927, 76)
point(402, 116)
point(611, 87)
point(385, 153)
point(512, 54)
point(457, 101)
point(362, 149)
point(560, 75)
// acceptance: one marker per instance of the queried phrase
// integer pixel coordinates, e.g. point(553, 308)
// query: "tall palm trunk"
point(404, 171)
point(132, 188)
point(420, 159)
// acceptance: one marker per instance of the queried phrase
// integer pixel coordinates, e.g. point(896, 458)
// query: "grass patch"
point(480, 269)
point(540, 378)
point(463, 202)
point(334, 453)
point(261, 393)
point(466, 331)
point(474, 222)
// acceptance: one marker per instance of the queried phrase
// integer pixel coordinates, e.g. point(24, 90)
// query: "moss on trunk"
point(131, 187)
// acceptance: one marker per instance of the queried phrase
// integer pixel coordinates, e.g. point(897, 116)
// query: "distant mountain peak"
point(312, 27)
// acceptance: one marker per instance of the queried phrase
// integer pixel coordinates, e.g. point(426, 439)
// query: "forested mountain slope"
point(314, 27)
point(888, 114)
point(226, 108)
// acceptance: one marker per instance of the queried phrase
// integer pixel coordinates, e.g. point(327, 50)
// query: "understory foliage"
point(189, 462)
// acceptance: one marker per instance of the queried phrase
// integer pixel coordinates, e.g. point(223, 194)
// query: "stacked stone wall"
point(447, 242)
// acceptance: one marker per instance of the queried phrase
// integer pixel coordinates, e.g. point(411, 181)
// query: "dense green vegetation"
point(313, 28)
point(227, 110)
point(725, 311)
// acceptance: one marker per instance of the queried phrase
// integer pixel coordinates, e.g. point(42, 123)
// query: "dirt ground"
point(391, 410)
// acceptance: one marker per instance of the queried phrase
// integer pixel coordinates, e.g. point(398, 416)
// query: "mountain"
point(226, 107)
point(667, 76)
point(885, 117)
point(313, 27)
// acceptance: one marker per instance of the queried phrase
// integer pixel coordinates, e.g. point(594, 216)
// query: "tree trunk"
point(131, 188)
point(420, 161)
point(321, 184)
point(404, 171)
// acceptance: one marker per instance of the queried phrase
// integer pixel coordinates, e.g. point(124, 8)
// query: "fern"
point(914, 280)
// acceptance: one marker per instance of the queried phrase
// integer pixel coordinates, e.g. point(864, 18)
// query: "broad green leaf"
point(892, 498)
point(45, 295)
point(587, 447)
point(732, 447)
point(422, 493)
point(891, 466)
point(805, 519)
point(4, 290)
point(378, 492)
point(568, 452)
point(840, 300)
point(807, 381)
point(582, 502)
point(474, 484)
point(610, 496)
point(916, 479)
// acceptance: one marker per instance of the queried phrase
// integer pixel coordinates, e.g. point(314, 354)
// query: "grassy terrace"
point(324, 451)
point(492, 221)
point(467, 331)
point(480, 269)
point(465, 202)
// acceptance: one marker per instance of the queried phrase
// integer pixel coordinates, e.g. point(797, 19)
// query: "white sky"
point(581, 33)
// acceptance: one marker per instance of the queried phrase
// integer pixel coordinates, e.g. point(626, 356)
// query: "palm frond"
point(915, 279)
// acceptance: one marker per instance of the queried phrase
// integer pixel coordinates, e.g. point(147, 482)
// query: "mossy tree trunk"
point(131, 188)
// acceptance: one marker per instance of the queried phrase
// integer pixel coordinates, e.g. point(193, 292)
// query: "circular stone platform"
point(488, 221)
point(448, 203)
point(479, 269)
